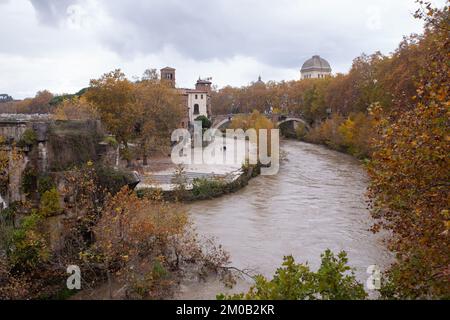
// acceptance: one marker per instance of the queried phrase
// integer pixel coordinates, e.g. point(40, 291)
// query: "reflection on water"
point(316, 202)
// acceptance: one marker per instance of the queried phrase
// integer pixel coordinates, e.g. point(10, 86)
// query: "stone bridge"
point(220, 121)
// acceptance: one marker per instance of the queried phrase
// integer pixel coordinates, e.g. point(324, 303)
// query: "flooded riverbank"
point(317, 201)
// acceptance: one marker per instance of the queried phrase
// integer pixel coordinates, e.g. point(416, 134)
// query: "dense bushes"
point(333, 281)
point(27, 247)
point(111, 179)
point(352, 134)
point(206, 123)
point(204, 188)
point(49, 205)
point(141, 244)
point(28, 139)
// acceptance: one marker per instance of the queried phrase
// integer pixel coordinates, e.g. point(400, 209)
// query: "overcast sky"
point(60, 45)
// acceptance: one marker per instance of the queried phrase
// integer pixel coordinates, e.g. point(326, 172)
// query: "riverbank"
point(214, 176)
point(316, 202)
point(203, 186)
point(351, 135)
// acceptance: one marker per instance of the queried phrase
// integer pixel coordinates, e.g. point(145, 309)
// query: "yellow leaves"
point(128, 222)
point(76, 108)
point(347, 129)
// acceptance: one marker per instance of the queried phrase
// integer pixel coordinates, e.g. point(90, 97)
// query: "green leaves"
point(49, 205)
point(334, 280)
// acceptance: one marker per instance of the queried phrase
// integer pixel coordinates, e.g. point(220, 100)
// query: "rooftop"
point(316, 63)
point(167, 69)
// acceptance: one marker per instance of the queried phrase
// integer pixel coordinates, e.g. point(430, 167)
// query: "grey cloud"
point(280, 33)
point(51, 12)
point(63, 49)
point(221, 29)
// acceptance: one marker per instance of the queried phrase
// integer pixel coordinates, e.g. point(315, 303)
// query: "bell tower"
point(168, 75)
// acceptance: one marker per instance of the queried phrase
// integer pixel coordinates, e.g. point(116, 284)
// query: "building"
point(260, 82)
point(5, 98)
point(315, 68)
point(168, 75)
point(197, 102)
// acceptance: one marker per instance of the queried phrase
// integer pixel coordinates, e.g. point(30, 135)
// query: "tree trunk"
point(127, 154)
point(109, 285)
point(145, 160)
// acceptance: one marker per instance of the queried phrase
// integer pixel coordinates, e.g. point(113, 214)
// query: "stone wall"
point(59, 146)
point(12, 129)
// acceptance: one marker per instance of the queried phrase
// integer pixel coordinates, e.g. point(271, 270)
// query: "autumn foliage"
point(410, 175)
point(393, 110)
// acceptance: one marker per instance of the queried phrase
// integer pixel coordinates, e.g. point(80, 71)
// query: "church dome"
point(260, 82)
point(316, 63)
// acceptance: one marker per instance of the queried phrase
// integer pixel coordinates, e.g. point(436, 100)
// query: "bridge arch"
point(298, 120)
point(222, 120)
point(221, 123)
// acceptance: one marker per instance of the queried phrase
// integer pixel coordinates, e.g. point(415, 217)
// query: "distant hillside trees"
point(39, 104)
point(5, 98)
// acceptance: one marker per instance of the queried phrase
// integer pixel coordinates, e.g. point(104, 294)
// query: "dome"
point(316, 63)
point(260, 82)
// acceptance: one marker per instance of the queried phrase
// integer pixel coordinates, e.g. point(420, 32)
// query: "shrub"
point(352, 135)
point(111, 141)
point(301, 131)
point(356, 134)
point(28, 247)
point(204, 188)
point(8, 215)
point(110, 179)
point(44, 184)
point(327, 133)
point(29, 181)
point(28, 139)
point(334, 280)
point(206, 123)
point(49, 205)
point(180, 181)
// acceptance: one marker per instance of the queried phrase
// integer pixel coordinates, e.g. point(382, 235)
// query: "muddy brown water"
point(316, 202)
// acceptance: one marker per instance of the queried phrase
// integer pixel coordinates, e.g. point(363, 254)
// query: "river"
point(316, 202)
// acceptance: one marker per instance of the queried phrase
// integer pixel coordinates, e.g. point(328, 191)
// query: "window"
point(196, 109)
point(201, 97)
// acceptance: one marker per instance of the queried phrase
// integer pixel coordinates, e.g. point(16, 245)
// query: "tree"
point(75, 108)
point(159, 111)
point(333, 281)
point(206, 123)
point(113, 98)
point(410, 177)
point(142, 243)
